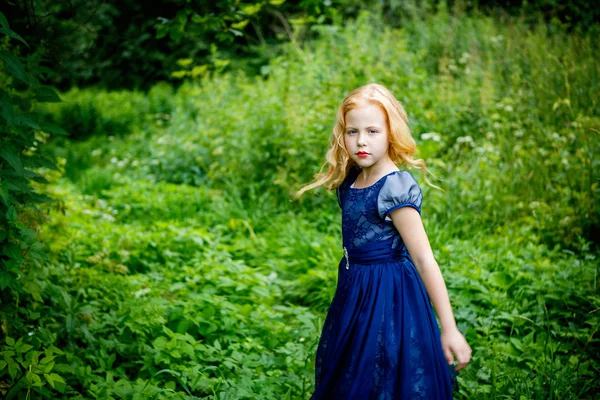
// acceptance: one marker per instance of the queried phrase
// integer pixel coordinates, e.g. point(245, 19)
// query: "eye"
point(372, 131)
point(351, 132)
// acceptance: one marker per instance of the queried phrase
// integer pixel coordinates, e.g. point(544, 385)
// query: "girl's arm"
point(408, 222)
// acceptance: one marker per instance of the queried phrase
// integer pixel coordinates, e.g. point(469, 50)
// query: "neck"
point(376, 171)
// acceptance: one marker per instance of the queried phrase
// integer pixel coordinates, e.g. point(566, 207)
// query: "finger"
point(463, 360)
point(448, 355)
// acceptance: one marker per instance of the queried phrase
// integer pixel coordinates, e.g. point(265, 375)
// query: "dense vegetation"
point(177, 267)
point(129, 44)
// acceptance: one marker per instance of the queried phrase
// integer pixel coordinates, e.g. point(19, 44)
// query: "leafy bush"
point(160, 287)
point(29, 360)
point(508, 148)
point(182, 268)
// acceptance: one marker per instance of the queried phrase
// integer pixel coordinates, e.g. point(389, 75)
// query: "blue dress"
point(380, 339)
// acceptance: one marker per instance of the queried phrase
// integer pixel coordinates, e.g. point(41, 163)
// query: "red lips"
point(362, 154)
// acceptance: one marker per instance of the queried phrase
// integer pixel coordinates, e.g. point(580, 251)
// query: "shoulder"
point(400, 189)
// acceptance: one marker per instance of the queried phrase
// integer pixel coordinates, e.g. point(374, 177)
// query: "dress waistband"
point(374, 252)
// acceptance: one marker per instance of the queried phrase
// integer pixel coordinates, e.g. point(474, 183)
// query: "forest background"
point(148, 152)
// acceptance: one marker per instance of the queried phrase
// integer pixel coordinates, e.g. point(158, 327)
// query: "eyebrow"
point(368, 127)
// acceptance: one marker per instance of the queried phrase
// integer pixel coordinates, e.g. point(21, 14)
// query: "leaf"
point(10, 341)
point(184, 62)
point(161, 31)
point(501, 279)
point(40, 179)
point(182, 326)
point(236, 32)
point(57, 378)
point(162, 371)
point(20, 183)
point(44, 161)
point(208, 312)
point(52, 350)
point(179, 74)
point(250, 9)
point(47, 360)
point(47, 367)
point(4, 21)
point(33, 378)
point(5, 197)
point(12, 216)
point(10, 154)
point(47, 94)
point(516, 342)
point(7, 31)
point(160, 343)
point(5, 278)
point(241, 24)
point(49, 379)
point(7, 109)
point(24, 120)
point(24, 348)
point(13, 369)
point(52, 128)
point(12, 65)
point(573, 360)
point(236, 355)
point(12, 265)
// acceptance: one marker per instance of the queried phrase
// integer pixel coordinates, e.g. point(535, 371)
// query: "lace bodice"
point(365, 211)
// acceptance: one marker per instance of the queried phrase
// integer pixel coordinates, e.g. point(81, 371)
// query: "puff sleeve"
point(399, 190)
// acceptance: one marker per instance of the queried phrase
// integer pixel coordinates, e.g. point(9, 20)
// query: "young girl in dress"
point(380, 339)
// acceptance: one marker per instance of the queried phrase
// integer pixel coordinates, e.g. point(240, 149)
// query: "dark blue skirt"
point(381, 339)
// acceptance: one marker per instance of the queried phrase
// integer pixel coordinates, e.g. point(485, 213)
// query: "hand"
point(453, 342)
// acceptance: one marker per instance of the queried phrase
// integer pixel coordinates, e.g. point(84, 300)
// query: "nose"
point(362, 139)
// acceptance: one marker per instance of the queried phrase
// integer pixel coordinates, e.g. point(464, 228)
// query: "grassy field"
point(181, 269)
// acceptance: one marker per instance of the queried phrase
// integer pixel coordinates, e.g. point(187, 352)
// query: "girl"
point(380, 339)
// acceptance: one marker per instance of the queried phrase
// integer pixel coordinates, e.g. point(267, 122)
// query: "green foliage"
point(509, 148)
point(85, 113)
point(132, 44)
point(23, 164)
point(169, 290)
point(27, 370)
point(181, 268)
point(169, 296)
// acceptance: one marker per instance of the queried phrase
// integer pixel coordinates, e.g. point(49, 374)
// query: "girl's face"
point(366, 135)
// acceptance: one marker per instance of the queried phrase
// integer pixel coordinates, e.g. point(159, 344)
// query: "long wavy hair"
point(402, 146)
